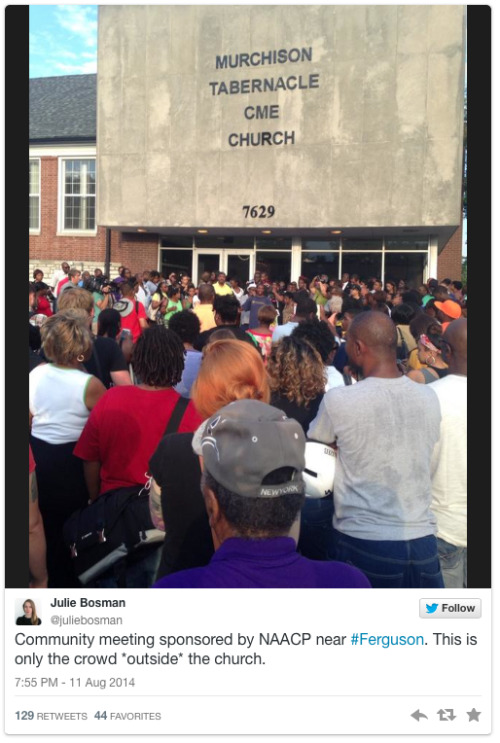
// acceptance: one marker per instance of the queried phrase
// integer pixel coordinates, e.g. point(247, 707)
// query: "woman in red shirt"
point(41, 300)
point(128, 423)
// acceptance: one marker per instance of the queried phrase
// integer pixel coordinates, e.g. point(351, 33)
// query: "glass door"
point(239, 264)
point(208, 260)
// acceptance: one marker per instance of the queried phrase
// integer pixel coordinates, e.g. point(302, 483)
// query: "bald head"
point(206, 293)
point(456, 337)
point(376, 331)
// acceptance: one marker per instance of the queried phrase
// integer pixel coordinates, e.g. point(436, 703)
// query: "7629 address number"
point(259, 212)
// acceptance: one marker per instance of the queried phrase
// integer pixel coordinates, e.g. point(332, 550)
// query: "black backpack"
point(116, 530)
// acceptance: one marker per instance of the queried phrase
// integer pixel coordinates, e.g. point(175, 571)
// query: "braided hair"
point(158, 357)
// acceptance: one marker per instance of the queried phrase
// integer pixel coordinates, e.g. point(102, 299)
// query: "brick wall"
point(450, 258)
point(48, 244)
point(87, 252)
point(138, 251)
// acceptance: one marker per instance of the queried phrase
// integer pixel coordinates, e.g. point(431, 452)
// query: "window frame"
point(61, 229)
point(36, 230)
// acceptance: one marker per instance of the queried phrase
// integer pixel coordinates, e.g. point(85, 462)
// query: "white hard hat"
point(319, 471)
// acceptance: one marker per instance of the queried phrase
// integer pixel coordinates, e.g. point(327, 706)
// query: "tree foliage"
point(464, 172)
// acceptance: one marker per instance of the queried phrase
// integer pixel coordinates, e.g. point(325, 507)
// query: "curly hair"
point(227, 307)
point(158, 357)
point(186, 324)
point(318, 333)
point(296, 370)
point(65, 336)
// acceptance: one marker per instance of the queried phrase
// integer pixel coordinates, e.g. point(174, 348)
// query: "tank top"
point(57, 403)
point(440, 372)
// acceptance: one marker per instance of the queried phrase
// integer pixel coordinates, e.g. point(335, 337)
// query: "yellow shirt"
point(222, 291)
point(205, 313)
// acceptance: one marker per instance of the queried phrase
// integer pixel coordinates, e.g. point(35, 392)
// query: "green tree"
point(464, 172)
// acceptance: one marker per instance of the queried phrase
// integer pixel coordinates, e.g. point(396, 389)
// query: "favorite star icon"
point(473, 715)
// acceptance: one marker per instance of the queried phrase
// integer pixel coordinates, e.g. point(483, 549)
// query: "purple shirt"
point(265, 563)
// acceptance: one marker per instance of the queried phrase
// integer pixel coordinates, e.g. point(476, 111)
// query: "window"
point(229, 242)
point(408, 266)
point(273, 243)
point(403, 243)
point(78, 179)
point(179, 261)
point(277, 265)
point(365, 265)
point(319, 262)
point(34, 188)
point(355, 243)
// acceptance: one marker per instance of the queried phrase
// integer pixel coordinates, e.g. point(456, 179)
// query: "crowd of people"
point(280, 433)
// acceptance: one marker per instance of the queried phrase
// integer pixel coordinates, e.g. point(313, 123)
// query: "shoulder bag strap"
point(177, 414)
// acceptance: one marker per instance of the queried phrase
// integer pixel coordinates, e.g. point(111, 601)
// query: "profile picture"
point(29, 615)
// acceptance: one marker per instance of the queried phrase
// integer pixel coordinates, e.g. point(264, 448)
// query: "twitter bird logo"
point(431, 608)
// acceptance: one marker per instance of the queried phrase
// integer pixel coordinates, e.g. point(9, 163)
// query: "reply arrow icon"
point(417, 715)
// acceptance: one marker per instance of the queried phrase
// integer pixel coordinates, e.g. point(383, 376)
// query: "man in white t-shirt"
point(449, 461)
point(59, 274)
point(59, 278)
point(383, 523)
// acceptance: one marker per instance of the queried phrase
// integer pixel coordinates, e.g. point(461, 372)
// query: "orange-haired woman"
point(230, 370)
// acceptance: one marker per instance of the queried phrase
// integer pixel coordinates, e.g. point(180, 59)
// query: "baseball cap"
point(124, 307)
point(245, 441)
point(450, 308)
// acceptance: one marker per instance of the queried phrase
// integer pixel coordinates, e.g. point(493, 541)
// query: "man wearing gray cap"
point(253, 458)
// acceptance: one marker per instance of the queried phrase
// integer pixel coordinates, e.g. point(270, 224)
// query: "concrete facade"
point(376, 128)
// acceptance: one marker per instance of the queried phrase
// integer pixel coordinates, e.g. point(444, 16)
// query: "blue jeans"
point(316, 528)
point(387, 564)
point(453, 562)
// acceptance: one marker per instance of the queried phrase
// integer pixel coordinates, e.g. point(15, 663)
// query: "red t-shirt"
point(131, 321)
point(43, 307)
point(32, 461)
point(124, 429)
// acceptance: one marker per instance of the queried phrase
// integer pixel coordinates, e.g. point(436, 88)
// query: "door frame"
point(246, 252)
point(223, 254)
point(207, 251)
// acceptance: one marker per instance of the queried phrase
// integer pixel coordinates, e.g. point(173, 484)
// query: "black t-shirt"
point(188, 539)
point(107, 357)
point(35, 337)
point(301, 414)
point(239, 334)
point(26, 620)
